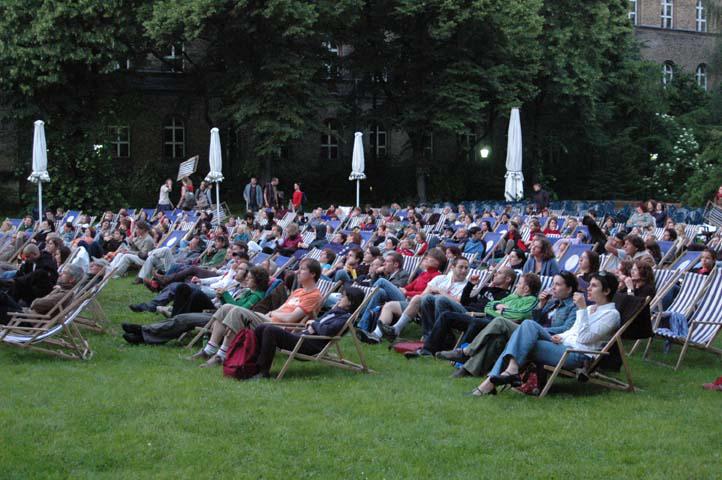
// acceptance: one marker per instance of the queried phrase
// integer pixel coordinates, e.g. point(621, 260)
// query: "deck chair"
point(704, 323)
point(173, 239)
point(328, 356)
point(93, 316)
point(58, 335)
point(667, 249)
point(492, 241)
point(411, 265)
point(570, 260)
point(635, 319)
point(686, 261)
point(259, 258)
point(282, 263)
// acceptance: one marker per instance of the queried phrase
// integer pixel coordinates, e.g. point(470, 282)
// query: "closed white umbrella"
point(514, 185)
point(40, 163)
point(216, 173)
point(357, 164)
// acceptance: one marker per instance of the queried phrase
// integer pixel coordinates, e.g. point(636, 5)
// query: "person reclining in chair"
point(34, 278)
point(229, 319)
point(593, 327)
point(70, 276)
point(269, 336)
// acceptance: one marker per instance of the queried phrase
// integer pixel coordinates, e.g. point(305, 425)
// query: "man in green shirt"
point(519, 305)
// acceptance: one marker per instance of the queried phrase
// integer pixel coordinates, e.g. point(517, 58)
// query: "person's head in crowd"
point(589, 262)
point(141, 228)
point(528, 284)
point(459, 268)
point(97, 266)
point(503, 278)
point(105, 225)
point(61, 254)
point(652, 247)
point(641, 207)
point(582, 236)
point(157, 234)
point(609, 223)
point(536, 186)
point(504, 218)
point(7, 226)
point(143, 215)
point(624, 269)
point(118, 235)
point(292, 230)
point(235, 251)
point(534, 226)
point(435, 259)
point(669, 223)
point(354, 257)
point(68, 227)
point(276, 231)
point(680, 229)
point(370, 254)
point(452, 252)
point(462, 234)
point(52, 244)
point(257, 279)
point(708, 259)
point(376, 266)
point(339, 238)
point(70, 276)
point(49, 215)
point(669, 235)
point(351, 299)
point(564, 285)
point(27, 221)
point(220, 241)
point(517, 258)
point(476, 233)
point(391, 243)
point(633, 244)
point(393, 262)
point(541, 248)
point(47, 226)
point(297, 186)
point(641, 274)
point(240, 247)
point(309, 271)
point(553, 224)
point(405, 244)
point(448, 232)
point(327, 257)
point(355, 238)
point(485, 226)
point(572, 224)
point(602, 287)
point(651, 205)
point(31, 252)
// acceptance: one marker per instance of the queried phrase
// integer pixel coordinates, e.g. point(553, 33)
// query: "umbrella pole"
point(358, 204)
point(218, 204)
point(40, 201)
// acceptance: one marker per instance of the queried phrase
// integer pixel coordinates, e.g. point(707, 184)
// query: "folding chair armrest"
point(29, 315)
point(705, 323)
point(590, 352)
point(29, 319)
point(320, 337)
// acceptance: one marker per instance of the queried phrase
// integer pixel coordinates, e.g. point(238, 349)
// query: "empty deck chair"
point(704, 323)
point(332, 354)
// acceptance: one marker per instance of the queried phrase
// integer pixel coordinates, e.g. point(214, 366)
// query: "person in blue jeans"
point(531, 342)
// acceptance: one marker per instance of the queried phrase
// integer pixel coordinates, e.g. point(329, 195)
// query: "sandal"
point(477, 392)
point(507, 379)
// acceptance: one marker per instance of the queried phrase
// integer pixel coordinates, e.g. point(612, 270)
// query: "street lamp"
point(484, 152)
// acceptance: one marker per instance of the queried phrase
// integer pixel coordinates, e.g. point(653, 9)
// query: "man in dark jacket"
point(270, 337)
point(35, 277)
point(540, 197)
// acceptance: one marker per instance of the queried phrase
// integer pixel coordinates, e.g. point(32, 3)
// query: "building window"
point(701, 17)
point(701, 76)
point(667, 73)
point(633, 11)
point(173, 59)
point(467, 140)
point(331, 66)
point(666, 14)
point(329, 140)
point(174, 138)
point(377, 138)
point(429, 145)
point(120, 140)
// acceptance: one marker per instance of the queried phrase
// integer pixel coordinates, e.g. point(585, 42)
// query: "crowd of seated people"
point(224, 277)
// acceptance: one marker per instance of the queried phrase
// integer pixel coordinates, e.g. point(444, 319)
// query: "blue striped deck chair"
point(149, 212)
point(366, 236)
point(581, 228)
point(313, 254)
point(691, 290)
point(570, 260)
point(470, 257)
point(411, 265)
point(71, 216)
point(336, 248)
point(546, 282)
point(334, 224)
point(686, 261)
point(704, 324)
point(173, 239)
point(492, 240)
point(259, 258)
point(282, 263)
point(666, 247)
point(15, 222)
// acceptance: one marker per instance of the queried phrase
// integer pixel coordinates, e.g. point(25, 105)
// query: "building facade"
point(678, 35)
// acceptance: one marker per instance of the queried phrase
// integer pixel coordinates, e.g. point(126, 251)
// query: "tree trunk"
point(421, 182)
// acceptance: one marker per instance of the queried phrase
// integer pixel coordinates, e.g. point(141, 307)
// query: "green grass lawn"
point(146, 412)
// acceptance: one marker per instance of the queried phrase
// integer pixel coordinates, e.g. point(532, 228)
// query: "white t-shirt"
point(446, 284)
point(163, 198)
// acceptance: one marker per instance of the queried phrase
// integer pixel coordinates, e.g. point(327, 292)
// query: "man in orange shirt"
point(229, 319)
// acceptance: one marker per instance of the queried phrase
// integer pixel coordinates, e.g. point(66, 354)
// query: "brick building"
point(677, 35)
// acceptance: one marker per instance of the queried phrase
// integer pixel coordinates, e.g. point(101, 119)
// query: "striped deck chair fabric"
point(259, 258)
point(693, 286)
point(546, 282)
point(686, 261)
point(173, 239)
point(570, 259)
point(492, 240)
point(704, 324)
point(411, 264)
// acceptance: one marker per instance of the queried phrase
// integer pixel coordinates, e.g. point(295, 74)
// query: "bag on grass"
point(239, 362)
point(403, 347)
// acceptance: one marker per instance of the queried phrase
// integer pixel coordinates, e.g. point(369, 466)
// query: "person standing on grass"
point(253, 195)
point(164, 202)
point(298, 198)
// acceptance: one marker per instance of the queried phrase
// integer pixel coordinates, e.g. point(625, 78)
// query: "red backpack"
point(239, 359)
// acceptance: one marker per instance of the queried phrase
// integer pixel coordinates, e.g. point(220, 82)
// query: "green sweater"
point(517, 308)
point(247, 299)
point(215, 260)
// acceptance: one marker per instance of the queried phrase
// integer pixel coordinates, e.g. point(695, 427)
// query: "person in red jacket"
point(433, 262)
point(297, 198)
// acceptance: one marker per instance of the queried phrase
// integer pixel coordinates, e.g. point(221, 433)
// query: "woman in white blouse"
point(593, 327)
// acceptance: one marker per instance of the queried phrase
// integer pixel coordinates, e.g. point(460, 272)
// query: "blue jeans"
point(387, 292)
point(342, 276)
point(8, 275)
point(531, 343)
point(432, 306)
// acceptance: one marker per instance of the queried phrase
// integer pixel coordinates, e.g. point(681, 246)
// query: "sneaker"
point(200, 355)
point(167, 312)
point(455, 355)
point(388, 332)
point(367, 337)
point(421, 352)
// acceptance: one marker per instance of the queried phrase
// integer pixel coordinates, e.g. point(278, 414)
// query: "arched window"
point(377, 139)
point(667, 72)
point(667, 13)
point(701, 17)
point(329, 140)
point(174, 138)
point(701, 75)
